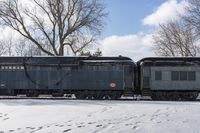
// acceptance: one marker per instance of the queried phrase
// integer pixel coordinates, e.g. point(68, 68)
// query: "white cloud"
point(167, 11)
point(134, 46)
point(140, 45)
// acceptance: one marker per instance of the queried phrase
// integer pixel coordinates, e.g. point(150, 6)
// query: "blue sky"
point(131, 24)
point(125, 16)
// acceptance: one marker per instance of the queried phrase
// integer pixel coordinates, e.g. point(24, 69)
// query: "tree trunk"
point(61, 51)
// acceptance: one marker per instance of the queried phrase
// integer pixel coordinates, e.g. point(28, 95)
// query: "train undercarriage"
point(174, 95)
point(79, 94)
point(105, 94)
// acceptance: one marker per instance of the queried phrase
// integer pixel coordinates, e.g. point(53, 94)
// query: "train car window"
point(183, 75)
point(100, 68)
point(89, 67)
point(119, 67)
point(158, 75)
point(96, 68)
point(68, 68)
point(175, 75)
point(2, 67)
point(14, 67)
point(191, 76)
point(114, 67)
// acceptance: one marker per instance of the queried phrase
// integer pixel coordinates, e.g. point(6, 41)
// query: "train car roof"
point(61, 60)
point(170, 61)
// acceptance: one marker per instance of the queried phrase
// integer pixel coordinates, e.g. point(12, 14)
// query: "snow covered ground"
point(75, 116)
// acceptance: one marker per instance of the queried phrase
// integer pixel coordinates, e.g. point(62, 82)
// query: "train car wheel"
point(57, 94)
point(32, 93)
point(99, 96)
point(190, 96)
point(158, 96)
point(115, 95)
point(89, 97)
point(80, 95)
point(13, 93)
point(105, 95)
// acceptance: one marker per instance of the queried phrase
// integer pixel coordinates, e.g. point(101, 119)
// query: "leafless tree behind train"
point(176, 39)
point(180, 37)
point(55, 24)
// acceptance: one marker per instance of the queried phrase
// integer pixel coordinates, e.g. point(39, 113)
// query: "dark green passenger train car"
point(86, 77)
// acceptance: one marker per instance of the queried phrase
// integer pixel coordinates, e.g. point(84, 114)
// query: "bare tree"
point(9, 42)
point(192, 17)
point(175, 39)
point(53, 25)
point(97, 53)
point(3, 49)
point(7, 46)
point(20, 48)
point(24, 47)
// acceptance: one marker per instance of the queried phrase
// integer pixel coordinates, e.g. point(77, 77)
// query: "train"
point(160, 78)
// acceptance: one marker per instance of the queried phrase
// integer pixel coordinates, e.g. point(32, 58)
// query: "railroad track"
point(71, 98)
point(65, 98)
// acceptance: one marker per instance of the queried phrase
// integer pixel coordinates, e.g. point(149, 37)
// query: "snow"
point(82, 116)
